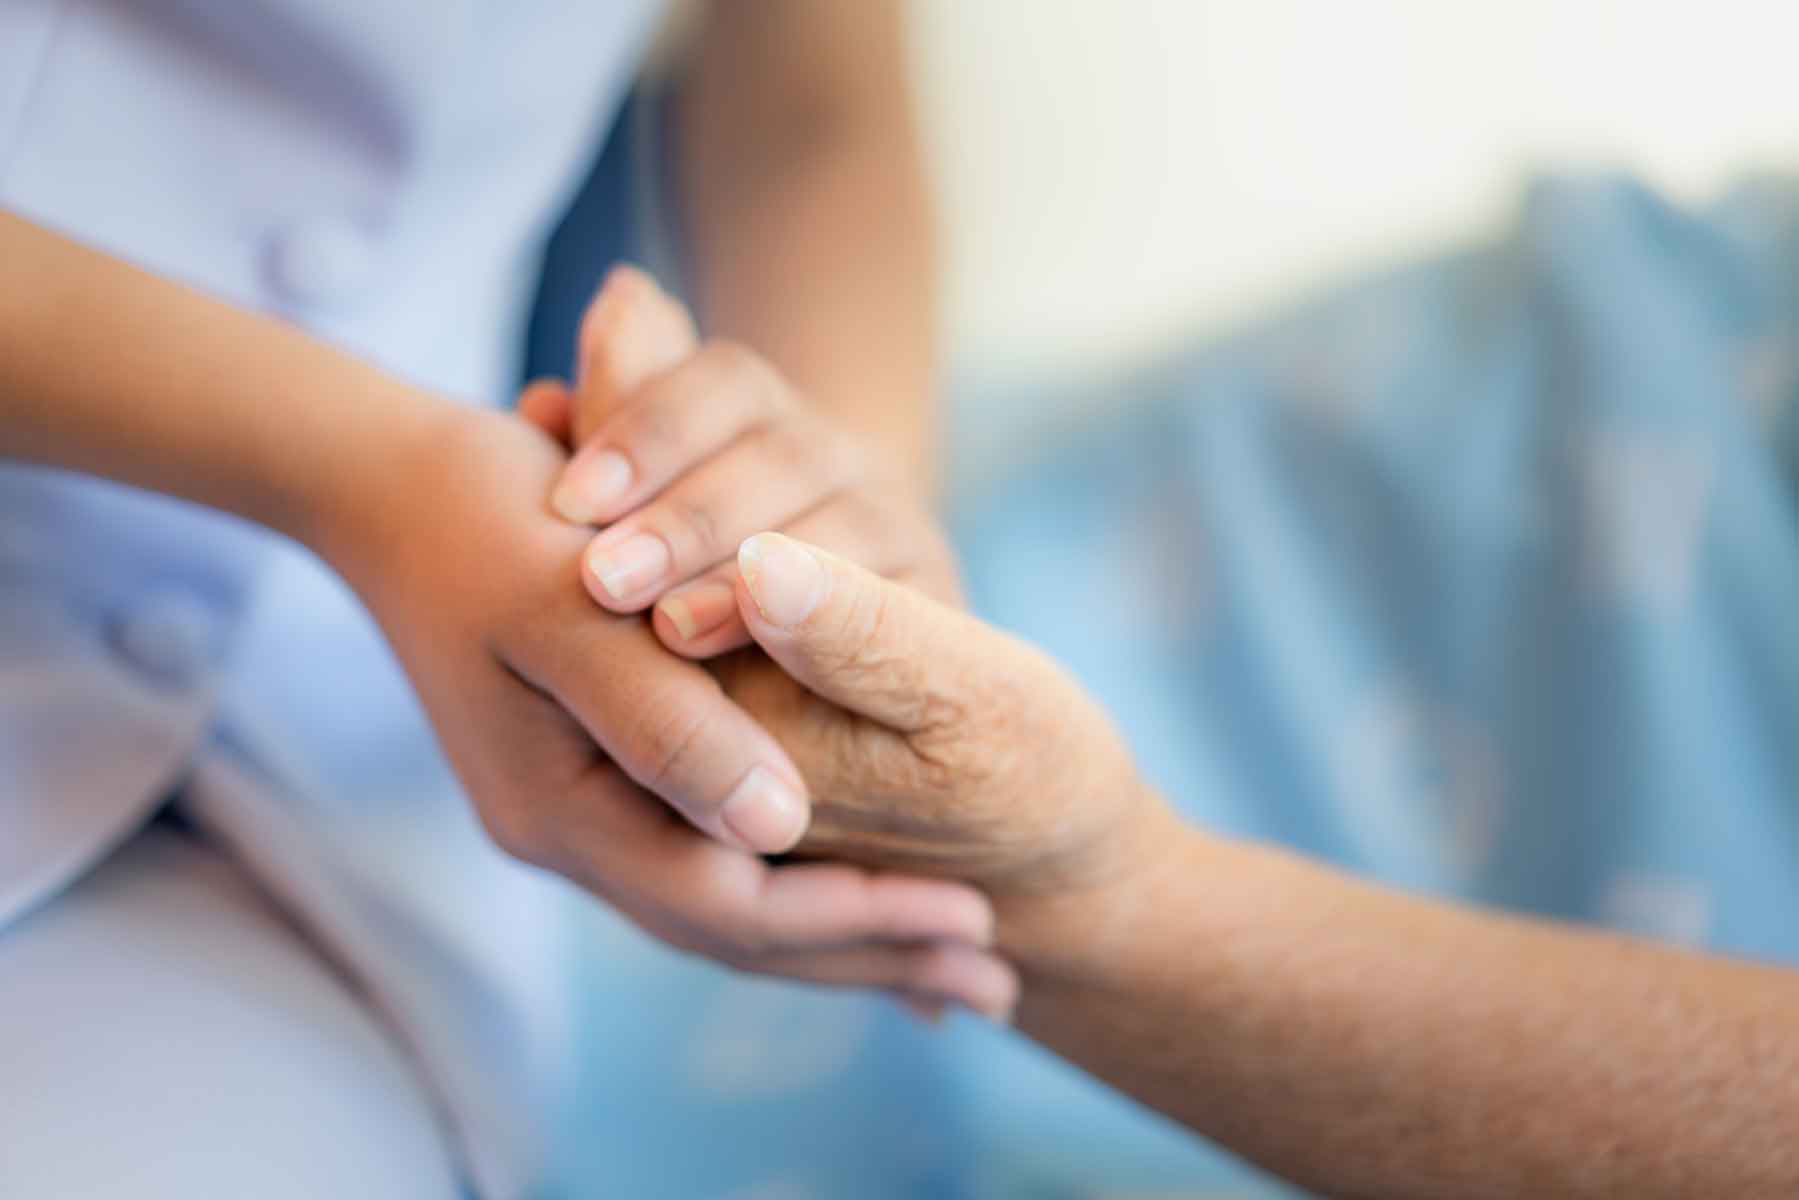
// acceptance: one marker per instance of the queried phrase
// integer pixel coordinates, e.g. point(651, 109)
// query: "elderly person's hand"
point(1354, 1040)
point(936, 744)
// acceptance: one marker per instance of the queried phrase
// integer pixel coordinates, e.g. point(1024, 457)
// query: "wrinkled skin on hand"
point(993, 766)
point(935, 744)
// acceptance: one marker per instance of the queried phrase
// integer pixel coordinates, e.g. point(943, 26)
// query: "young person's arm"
point(112, 371)
point(1358, 1041)
point(561, 720)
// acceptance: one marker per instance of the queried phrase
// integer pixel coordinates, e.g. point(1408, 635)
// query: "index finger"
point(670, 727)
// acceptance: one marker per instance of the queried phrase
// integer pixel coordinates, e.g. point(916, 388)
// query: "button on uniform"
point(170, 636)
point(322, 262)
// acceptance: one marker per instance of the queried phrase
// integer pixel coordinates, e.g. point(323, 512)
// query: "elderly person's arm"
point(1355, 1040)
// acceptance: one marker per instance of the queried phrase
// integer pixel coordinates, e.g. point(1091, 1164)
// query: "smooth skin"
point(688, 447)
point(563, 724)
point(1355, 1040)
point(813, 240)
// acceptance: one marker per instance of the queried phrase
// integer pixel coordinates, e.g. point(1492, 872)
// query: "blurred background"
point(1308, 520)
point(1120, 178)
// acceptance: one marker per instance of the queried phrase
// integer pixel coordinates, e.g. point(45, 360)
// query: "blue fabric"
point(1482, 577)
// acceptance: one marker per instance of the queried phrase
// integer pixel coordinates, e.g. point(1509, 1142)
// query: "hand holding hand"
point(684, 449)
point(711, 427)
point(936, 744)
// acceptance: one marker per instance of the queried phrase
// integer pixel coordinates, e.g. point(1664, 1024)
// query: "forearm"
point(110, 370)
point(809, 212)
point(1366, 1043)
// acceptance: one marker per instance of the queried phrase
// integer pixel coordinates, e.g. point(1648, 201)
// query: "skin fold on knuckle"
point(784, 449)
point(735, 366)
point(883, 803)
point(692, 526)
point(995, 785)
point(664, 736)
point(649, 433)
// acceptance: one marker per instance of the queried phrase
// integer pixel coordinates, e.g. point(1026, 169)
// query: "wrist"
point(1072, 933)
point(346, 496)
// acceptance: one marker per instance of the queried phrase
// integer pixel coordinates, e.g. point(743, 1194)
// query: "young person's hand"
point(712, 424)
point(565, 724)
point(684, 449)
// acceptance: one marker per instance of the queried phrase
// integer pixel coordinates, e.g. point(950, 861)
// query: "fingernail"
point(765, 813)
point(591, 485)
point(629, 567)
point(700, 610)
point(785, 579)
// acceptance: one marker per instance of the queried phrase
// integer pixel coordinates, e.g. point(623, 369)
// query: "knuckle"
point(662, 742)
point(978, 733)
point(514, 829)
point(692, 525)
point(653, 431)
point(862, 763)
point(748, 373)
point(797, 455)
point(940, 710)
point(946, 762)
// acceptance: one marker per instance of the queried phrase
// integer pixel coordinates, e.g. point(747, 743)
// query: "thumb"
point(865, 643)
point(632, 332)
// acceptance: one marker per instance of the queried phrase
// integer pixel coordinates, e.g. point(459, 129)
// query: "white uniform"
point(384, 174)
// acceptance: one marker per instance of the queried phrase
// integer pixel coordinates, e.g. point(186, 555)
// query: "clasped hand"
point(909, 746)
point(931, 743)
